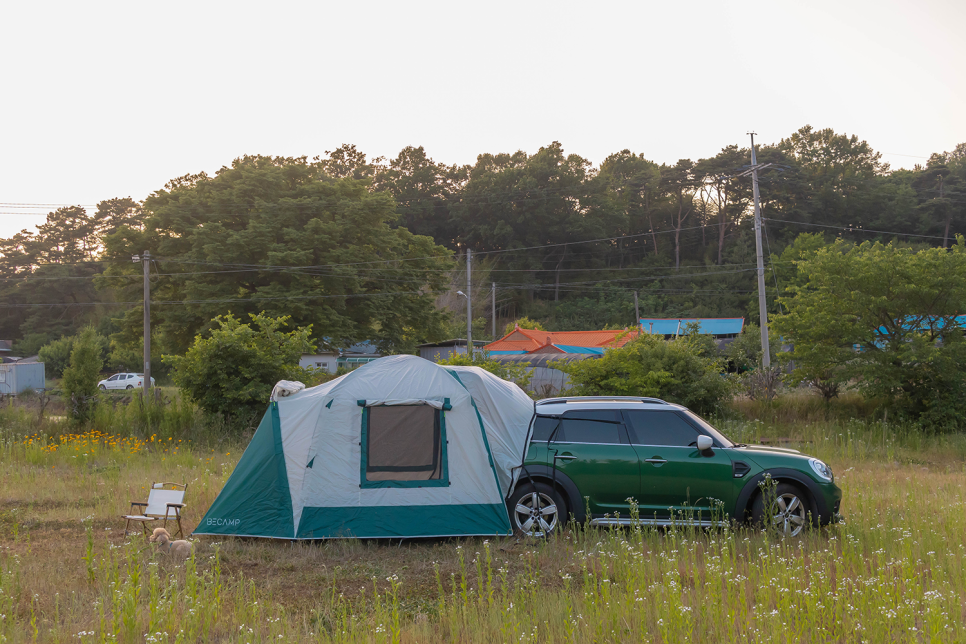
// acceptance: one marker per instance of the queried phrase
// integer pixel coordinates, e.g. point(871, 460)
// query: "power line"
point(852, 229)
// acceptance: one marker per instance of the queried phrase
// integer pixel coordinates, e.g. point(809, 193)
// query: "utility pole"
point(637, 312)
point(762, 307)
point(145, 260)
point(493, 306)
point(469, 303)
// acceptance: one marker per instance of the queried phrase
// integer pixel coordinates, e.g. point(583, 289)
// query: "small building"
point(436, 351)
point(17, 377)
point(322, 361)
point(521, 341)
point(335, 359)
point(717, 328)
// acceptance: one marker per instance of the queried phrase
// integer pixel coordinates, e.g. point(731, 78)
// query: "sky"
point(101, 100)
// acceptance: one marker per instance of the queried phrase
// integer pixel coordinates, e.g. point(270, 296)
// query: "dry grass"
point(894, 572)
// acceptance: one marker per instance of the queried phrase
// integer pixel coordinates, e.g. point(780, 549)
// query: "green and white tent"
point(400, 447)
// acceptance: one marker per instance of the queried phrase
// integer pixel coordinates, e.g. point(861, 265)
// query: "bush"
point(233, 372)
point(56, 355)
point(673, 370)
point(31, 344)
point(81, 376)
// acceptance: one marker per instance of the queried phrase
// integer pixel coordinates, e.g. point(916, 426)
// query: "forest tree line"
point(372, 249)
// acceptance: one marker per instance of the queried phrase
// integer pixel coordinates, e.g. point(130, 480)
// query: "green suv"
point(596, 453)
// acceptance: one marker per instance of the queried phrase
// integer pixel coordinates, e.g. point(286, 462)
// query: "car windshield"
point(721, 438)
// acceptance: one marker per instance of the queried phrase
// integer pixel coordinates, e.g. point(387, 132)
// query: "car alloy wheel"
point(536, 510)
point(102, 387)
point(790, 517)
point(789, 511)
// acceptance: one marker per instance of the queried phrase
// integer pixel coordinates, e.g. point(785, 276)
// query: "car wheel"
point(102, 387)
point(790, 512)
point(536, 510)
point(130, 387)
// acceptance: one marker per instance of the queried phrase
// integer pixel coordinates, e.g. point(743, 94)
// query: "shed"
point(544, 379)
point(436, 351)
point(17, 377)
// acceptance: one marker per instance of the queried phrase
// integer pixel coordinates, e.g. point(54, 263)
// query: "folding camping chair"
point(165, 501)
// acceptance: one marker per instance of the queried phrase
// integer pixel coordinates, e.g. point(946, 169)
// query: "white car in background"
point(123, 381)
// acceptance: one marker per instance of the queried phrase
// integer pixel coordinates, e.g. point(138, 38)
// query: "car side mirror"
point(704, 443)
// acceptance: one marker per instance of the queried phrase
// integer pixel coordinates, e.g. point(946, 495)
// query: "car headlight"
point(822, 470)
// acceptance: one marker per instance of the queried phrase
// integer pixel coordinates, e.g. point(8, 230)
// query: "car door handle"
point(655, 460)
point(564, 458)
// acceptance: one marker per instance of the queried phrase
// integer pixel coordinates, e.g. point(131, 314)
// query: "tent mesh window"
point(403, 443)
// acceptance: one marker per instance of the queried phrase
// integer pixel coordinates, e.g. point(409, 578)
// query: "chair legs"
point(177, 517)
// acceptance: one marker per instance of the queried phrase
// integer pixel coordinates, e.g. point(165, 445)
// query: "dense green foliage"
point(279, 235)
point(882, 318)
point(56, 355)
point(523, 323)
point(320, 240)
point(674, 370)
point(81, 376)
point(232, 370)
point(371, 250)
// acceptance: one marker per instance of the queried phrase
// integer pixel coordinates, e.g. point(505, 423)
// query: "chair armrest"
point(133, 503)
point(176, 505)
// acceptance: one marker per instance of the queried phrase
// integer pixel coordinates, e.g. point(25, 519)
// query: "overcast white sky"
point(103, 100)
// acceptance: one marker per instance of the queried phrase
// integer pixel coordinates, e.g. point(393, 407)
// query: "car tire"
point(102, 387)
point(793, 511)
point(536, 510)
point(130, 387)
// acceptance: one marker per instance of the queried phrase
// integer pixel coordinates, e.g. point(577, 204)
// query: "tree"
point(673, 370)
point(841, 172)
point(523, 323)
point(81, 376)
point(425, 192)
point(744, 352)
point(678, 183)
point(113, 213)
point(232, 372)
point(56, 355)
point(634, 182)
point(730, 197)
point(282, 236)
point(548, 200)
point(883, 318)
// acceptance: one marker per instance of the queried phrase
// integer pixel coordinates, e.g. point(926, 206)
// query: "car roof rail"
point(569, 399)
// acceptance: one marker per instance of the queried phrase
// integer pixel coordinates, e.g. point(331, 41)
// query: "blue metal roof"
point(711, 326)
point(569, 348)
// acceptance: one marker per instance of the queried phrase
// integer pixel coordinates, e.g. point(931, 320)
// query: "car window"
point(607, 415)
point(543, 426)
point(579, 430)
point(709, 429)
point(114, 377)
point(661, 428)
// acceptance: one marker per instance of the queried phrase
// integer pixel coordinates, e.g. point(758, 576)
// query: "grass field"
point(894, 572)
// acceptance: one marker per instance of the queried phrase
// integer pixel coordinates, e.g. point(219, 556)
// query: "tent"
point(400, 447)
